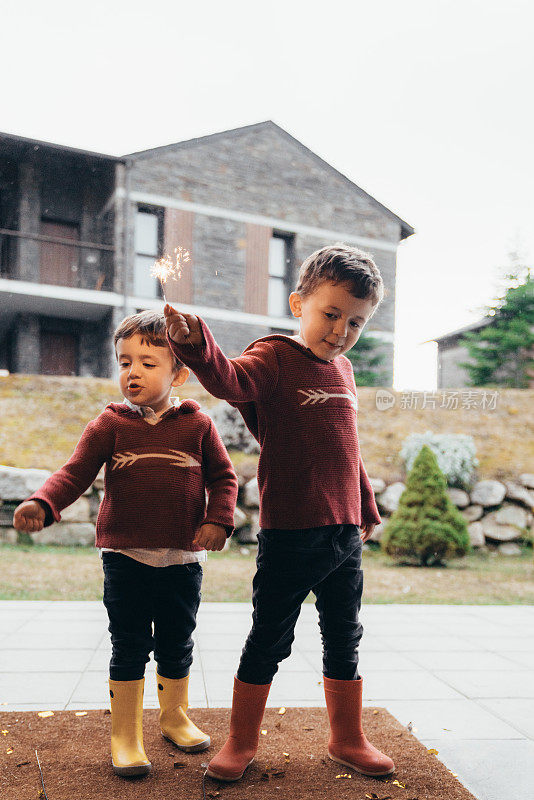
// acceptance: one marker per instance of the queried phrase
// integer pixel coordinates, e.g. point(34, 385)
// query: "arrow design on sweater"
point(178, 459)
point(315, 396)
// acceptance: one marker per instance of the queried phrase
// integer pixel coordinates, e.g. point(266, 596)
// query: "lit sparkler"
point(168, 267)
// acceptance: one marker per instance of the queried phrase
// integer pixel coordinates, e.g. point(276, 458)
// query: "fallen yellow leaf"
point(286, 755)
point(9, 750)
point(433, 751)
point(45, 714)
point(344, 775)
point(396, 783)
point(80, 713)
point(4, 733)
point(264, 733)
point(282, 710)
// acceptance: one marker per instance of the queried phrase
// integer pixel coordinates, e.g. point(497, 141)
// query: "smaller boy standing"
point(298, 397)
point(153, 529)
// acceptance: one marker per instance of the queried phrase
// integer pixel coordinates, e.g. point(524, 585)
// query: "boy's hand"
point(367, 530)
point(211, 537)
point(29, 517)
point(182, 328)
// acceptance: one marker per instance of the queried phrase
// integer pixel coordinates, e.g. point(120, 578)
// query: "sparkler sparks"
point(170, 267)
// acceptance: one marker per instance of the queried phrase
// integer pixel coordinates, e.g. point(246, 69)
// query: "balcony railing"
point(38, 258)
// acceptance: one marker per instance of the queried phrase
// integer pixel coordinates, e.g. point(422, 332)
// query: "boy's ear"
point(295, 304)
point(180, 376)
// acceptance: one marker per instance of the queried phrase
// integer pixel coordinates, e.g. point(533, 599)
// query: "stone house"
point(79, 232)
point(451, 353)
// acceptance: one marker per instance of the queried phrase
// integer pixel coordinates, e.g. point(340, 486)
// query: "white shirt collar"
point(148, 413)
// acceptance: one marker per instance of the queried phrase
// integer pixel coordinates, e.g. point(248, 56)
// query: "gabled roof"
point(406, 229)
point(474, 326)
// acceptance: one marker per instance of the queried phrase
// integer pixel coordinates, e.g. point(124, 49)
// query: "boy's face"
point(331, 318)
point(147, 373)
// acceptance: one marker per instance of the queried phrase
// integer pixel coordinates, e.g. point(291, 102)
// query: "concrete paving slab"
point(406, 685)
point(503, 643)
point(44, 660)
point(497, 683)
point(93, 687)
point(521, 659)
point(32, 707)
point(370, 661)
point(441, 667)
point(518, 712)
point(450, 719)
point(467, 661)
point(219, 641)
point(415, 644)
point(44, 687)
point(219, 688)
point(53, 640)
point(497, 770)
point(290, 688)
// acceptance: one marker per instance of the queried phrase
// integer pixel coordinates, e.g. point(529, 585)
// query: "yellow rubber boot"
point(174, 722)
point(127, 752)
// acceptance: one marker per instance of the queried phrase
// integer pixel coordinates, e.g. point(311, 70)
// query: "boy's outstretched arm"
point(221, 485)
point(250, 377)
point(67, 484)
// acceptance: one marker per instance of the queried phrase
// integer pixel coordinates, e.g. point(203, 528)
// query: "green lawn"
point(40, 572)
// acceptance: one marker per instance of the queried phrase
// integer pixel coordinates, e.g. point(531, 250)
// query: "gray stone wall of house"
point(219, 262)
point(108, 365)
point(262, 171)
point(450, 374)
point(26, 343)
point(232, 337)
point(30, 179)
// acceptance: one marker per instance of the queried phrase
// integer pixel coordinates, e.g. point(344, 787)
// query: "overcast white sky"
point(426, 104)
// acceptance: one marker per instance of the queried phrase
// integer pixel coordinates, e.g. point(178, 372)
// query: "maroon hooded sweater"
point(156, 477)
point(302, 410)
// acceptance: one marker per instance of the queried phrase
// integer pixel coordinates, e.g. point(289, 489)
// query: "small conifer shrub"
point(426, 529)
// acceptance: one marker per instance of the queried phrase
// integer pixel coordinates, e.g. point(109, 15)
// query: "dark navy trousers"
point(291, 563)
point(150, 608)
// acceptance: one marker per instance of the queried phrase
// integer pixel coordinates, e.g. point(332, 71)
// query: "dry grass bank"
point(41, 419)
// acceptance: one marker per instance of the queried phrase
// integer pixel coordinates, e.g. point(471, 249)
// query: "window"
point(147, 250)
point(280, 253)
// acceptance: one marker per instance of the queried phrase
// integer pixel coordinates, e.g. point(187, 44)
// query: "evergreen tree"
point(426, 528)
point(502, 353)
point(366, 358)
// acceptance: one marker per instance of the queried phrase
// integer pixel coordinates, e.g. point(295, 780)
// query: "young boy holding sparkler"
point(298, 397)
point(153, 527)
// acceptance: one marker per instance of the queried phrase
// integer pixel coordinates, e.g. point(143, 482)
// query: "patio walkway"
point(462, 675)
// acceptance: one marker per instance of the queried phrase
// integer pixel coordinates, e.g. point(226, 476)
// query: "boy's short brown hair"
point(340, 263)
point(148, 324)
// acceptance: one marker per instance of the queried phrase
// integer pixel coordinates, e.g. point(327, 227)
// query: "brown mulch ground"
point(292, 762)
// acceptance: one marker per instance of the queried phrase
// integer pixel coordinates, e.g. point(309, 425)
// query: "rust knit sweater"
point(156, 477)
point(303, 412)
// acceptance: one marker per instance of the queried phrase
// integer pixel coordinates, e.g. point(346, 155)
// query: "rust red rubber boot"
point(348, 744)
point(238, 751)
